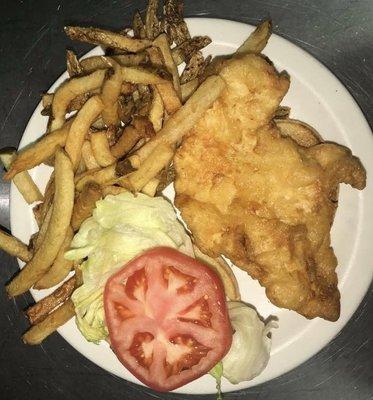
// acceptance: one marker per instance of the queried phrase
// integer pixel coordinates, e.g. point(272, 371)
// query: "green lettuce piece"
point(121, 227)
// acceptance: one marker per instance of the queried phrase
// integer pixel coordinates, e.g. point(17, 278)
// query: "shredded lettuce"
point(121, 227)
point(251, 345)
point(217, 373)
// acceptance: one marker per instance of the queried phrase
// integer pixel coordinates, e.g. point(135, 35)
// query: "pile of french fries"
point(113, 126)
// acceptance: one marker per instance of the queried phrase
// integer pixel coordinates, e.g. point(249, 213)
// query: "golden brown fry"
point(101, 150)
point(188, 88)
point(102, 176)
point(170, 98)
point(71, 89)
point(146, 76)
point(166, 177)
point(156, 111)
point(43, 307)
point(256, 42)
point(302, 133)
point(138, 26)
point(14, 247)
point(37, 333)
point(85, 203)
point(131, 60)
point(184, 51)
point(150, 189)
point(162, 43)
point(158, 159)
point(223, 270)
point(48, 197)
point(56, 232)
point(110, 93)
point(151, 20)
point(185, 118)
point(126, 108)
point(174, 24)
point(155, 56)
point(23, 181)
point(126, 142)
point(105, 38)
point(194, 68)
point(39, 237)
point(79, 128)
point(88, 157)
point(39, 151)
point(113, 190)
point(60, 267)
point(73, 66)
point(91, 64)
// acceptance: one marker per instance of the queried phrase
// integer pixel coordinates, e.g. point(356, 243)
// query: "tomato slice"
point(167, 318)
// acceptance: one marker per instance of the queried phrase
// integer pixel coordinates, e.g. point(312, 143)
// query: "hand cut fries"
point(256, 42)
point(56, 232)
point(41, 309)
point(23, 181)
point(156, 112)
point(101, 149)
point(88, 157)
point(169, 97)
point(79, 128)
point(40, 151)
point(105, 38)
point(110, 93)
point(14, 247)
point(85, 203)
point(69, 90)
point(73, 66)
point(37, 333)
point(113, 190)
point(102, 176)
point(158, 159)
point(60, 267)
point(188, 88)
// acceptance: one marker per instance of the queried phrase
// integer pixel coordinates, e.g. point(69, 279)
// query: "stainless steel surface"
point(339, 33)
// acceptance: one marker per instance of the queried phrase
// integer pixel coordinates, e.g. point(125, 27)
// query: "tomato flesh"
point(167, 318)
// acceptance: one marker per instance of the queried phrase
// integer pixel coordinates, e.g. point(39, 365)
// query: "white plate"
point(318, 98)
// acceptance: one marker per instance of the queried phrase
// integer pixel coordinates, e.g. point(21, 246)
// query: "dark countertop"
point(339, 33)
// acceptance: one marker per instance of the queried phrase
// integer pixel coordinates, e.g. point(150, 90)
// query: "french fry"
point(102, 176)
point(138, 26)
point(184, 51)
point(91, 64)
point(131, 60)
point(71, 89)
point(14, 247)
point(302, 133)
point(158, 159)
point(88, 157)
point(169, 97)
point(56, 232)
point(79, 128)
point(150, 189)
point(185, 118)
point(256, 42)
point(47, 99)
point(101, 150)
point(166, 177)
point(113, 190)
point(73, 66)
point(48, 198)
point(140, 75)
point(43, 307)
point(175, 26)
point(106, 38)
point(126, 142)
point(195, 67)
point(60, 267)
point(162, 43)
point(223, 270)
point(37, 333)
point(155, 56)
point(39, 151)
point(109, 94)
point(23, 181)
point(85, 203)
point(40, 235)
point(282, 112)
point(188, 88)
point(151, 20)
point(156, 111)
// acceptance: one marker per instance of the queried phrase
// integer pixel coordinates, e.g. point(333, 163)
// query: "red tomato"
point(167, 318)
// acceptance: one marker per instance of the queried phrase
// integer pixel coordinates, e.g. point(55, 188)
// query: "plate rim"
point(358, 115)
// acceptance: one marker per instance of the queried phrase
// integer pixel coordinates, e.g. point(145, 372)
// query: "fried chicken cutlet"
point(261, 199)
